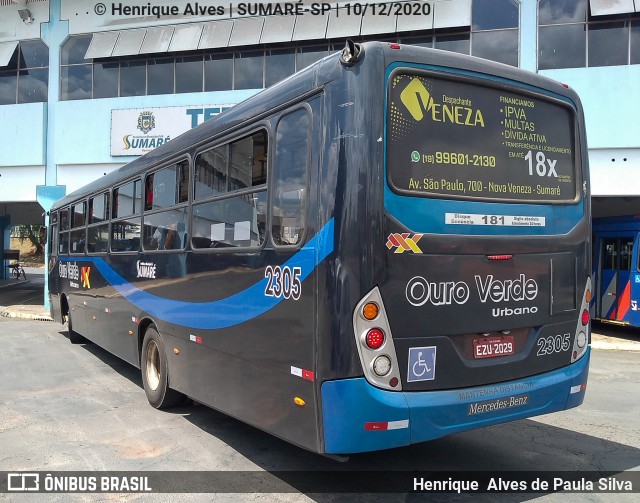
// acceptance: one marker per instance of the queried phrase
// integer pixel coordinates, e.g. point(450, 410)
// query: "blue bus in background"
point(389, 246)
point(616, 273)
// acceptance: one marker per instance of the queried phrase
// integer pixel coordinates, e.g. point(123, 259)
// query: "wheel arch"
point(143, 326)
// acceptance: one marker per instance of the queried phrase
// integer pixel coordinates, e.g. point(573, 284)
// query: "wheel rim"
point(153, 365)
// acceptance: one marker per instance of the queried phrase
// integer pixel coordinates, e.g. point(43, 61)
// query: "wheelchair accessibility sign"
point(422, 364)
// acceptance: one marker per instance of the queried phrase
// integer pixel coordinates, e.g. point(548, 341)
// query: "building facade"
point(85, 88)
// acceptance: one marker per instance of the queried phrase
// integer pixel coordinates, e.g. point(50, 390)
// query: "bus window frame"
point(185, 204)
point(153, 171)
point(511, 86)
point(262, 125)
point(117, 219)
point(53, 234)
point(73, 229)
point(106, 222)
point(272, 179)
point(61, 231)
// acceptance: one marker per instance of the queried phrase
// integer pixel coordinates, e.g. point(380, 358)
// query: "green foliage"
point(34, 233)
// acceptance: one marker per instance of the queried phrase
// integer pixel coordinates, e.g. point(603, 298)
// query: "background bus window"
point(167, 187)
point(626, 251)
point(291, 179)
point(234, 222)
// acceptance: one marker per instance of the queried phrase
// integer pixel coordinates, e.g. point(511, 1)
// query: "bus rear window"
point(465, 140)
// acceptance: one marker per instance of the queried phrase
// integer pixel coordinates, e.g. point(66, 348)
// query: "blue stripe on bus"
point(426, 215)
point(238, 308)
point(348, 404)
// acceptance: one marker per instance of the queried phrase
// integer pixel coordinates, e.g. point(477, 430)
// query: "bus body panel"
point(359, 417)
point(615, 270)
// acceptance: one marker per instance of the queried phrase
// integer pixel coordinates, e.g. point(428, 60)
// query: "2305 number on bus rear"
point(283, 282)
point(553, 344)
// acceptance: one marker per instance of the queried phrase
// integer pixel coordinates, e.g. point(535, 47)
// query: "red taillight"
point(585, 317)
point(375, 338)
point(499, 257)
point(394, 46)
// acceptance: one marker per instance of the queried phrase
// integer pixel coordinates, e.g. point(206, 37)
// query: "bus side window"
point(165, 189)
point(224, 220)
point(291, 179)
point(127, 202)
point(98, 230)
point(78, 231)
point(63, 243)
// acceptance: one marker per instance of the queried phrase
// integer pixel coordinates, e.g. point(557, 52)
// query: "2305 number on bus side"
point(283, 282)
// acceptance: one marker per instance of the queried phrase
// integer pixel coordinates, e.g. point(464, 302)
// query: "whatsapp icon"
point(415, 156)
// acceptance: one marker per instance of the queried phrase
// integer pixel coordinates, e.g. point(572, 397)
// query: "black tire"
point(74, 337)
point(15, 272)
point(155, 372)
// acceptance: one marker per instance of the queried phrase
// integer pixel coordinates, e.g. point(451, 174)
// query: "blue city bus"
point(389, 246)
point(616, 275)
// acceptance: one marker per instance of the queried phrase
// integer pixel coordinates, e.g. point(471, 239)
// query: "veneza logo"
point(146, 122)
point(416, 99)
point(451, 109)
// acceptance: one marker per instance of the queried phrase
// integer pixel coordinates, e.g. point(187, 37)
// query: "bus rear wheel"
point(155, 372)
point(74, 337)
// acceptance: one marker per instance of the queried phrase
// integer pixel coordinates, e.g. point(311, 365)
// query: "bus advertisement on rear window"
point(455, 138)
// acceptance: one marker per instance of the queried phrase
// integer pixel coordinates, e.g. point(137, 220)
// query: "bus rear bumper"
point(359, 417)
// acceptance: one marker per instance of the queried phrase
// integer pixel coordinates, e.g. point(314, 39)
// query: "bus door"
point(615, 285)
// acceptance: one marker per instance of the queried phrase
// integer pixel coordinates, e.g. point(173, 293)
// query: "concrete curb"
point(20, 312)
point(616, 346)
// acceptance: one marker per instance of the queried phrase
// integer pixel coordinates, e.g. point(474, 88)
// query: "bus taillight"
point(375, 339)
point(585, 317)
point(370, 311)
point(375, 342)
point(382, 365)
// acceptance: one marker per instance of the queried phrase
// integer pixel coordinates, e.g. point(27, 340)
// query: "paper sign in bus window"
point(217, 232)
point(242, 231)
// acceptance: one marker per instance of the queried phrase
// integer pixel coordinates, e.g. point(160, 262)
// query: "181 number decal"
point(553, 344)
point(283, 282)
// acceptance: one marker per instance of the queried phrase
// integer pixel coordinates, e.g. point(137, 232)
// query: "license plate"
point(490, 347)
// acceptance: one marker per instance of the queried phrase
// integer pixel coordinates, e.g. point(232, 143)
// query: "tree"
point(34, 233)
